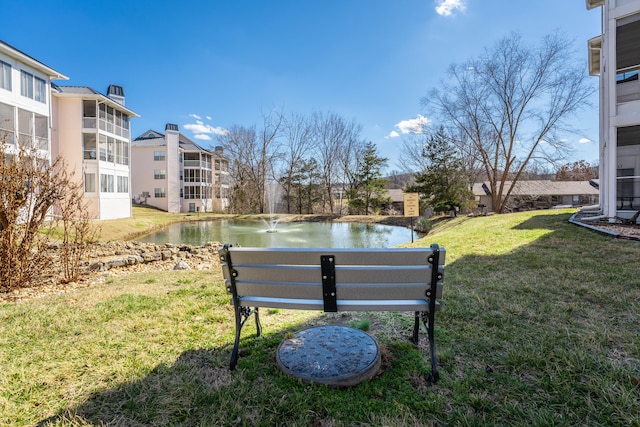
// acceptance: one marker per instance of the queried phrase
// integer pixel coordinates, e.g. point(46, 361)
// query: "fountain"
point(272, 192)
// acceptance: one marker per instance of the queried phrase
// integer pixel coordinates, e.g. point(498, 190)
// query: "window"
point(26, 84)
point(7, 123)
point(159, 156)
point(25, 127)
point(41, 131)
point(192, 175)
point(39, 90)
point(89, 146)
point(123, 184)
point(106, 183)
point(89, 182)
point(5, 75)
point(89, 112)
point(159, 174)
point(110, 149)
point(159, 193)
point(103, 147)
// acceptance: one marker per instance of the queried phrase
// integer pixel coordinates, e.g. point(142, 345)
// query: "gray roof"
point(87, 91)
point(185, 143)
point(543, 188)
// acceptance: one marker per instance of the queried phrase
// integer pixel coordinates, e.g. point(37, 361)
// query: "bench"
point(333, 280)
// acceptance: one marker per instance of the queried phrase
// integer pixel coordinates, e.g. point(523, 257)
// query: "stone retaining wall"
point(114, 255)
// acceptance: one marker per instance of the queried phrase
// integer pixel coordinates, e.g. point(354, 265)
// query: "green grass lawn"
point(540, 326)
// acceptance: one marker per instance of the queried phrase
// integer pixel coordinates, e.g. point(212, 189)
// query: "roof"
point(155, 138)
point(543, 188)
point(87, 92)
point(9, 50)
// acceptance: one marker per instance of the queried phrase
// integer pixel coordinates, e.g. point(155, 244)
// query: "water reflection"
point(288, 235)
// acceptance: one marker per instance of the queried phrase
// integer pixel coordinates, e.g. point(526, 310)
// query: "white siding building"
point(175, 174)
point(614, 56)
point(25, 100)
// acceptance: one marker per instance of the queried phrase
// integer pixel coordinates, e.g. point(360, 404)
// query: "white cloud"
point(393, 134)
point(202, 136)
point(447, 7)
point(208, 117)
point(200, 128)
point(584, 140)
point(195, 116)
point(416, 125)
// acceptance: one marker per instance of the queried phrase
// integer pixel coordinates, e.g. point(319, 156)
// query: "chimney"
point(171, 127)
point(219, 151)
point(116, 93)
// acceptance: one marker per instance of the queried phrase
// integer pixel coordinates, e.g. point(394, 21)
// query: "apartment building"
point(92, 133)
point(25, 100)
point(614, 56)
point(175, 174)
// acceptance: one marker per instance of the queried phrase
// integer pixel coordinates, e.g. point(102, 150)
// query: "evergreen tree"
point(444, 184)
point(368, 190)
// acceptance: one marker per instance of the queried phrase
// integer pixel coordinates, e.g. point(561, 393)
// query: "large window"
point(159, 174)
point(159, 193)
point(159, 156)
point(123, 184)
point(5, 75)
point(192, 175)
point(33, 87)
point(106, 183)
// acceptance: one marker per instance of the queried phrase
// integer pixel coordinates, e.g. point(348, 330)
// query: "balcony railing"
point(628, 193)
point(197, 164)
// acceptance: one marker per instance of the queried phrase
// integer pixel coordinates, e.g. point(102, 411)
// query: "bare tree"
point(252, 158)
point(297, 136)
point(31, 191)
point(510, 105)
point(331, 134)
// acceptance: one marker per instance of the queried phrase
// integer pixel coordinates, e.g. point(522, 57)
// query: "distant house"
point(175, 174)
point(541, 194)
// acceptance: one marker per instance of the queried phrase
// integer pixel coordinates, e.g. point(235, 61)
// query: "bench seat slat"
point(344, 274)
point(374, 291)
point(311, 256)
point(343, 305)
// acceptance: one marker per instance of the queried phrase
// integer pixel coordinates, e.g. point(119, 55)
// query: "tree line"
point(304, 165)
point(496, 118)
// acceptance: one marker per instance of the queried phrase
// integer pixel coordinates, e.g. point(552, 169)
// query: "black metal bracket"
point(328, 269)
point(242, 313)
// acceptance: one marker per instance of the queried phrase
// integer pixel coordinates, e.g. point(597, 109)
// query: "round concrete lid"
point(337, 356)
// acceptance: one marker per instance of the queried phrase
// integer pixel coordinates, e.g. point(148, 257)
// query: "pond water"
point(286, 235)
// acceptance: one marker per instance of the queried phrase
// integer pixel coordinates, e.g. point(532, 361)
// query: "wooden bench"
point(332, 280)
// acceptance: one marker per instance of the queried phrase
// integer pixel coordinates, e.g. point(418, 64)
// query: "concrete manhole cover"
point(337, 356)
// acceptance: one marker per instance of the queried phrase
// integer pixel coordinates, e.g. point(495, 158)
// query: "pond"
point(285, 235)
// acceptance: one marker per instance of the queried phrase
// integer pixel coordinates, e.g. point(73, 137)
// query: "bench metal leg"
point(435, 375)
point(416, 328)
point(427, 320)
point(242, 315)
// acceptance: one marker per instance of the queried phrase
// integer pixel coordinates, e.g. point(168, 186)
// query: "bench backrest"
point(331, 279)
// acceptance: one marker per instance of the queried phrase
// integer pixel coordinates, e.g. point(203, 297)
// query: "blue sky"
point(207, 65)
